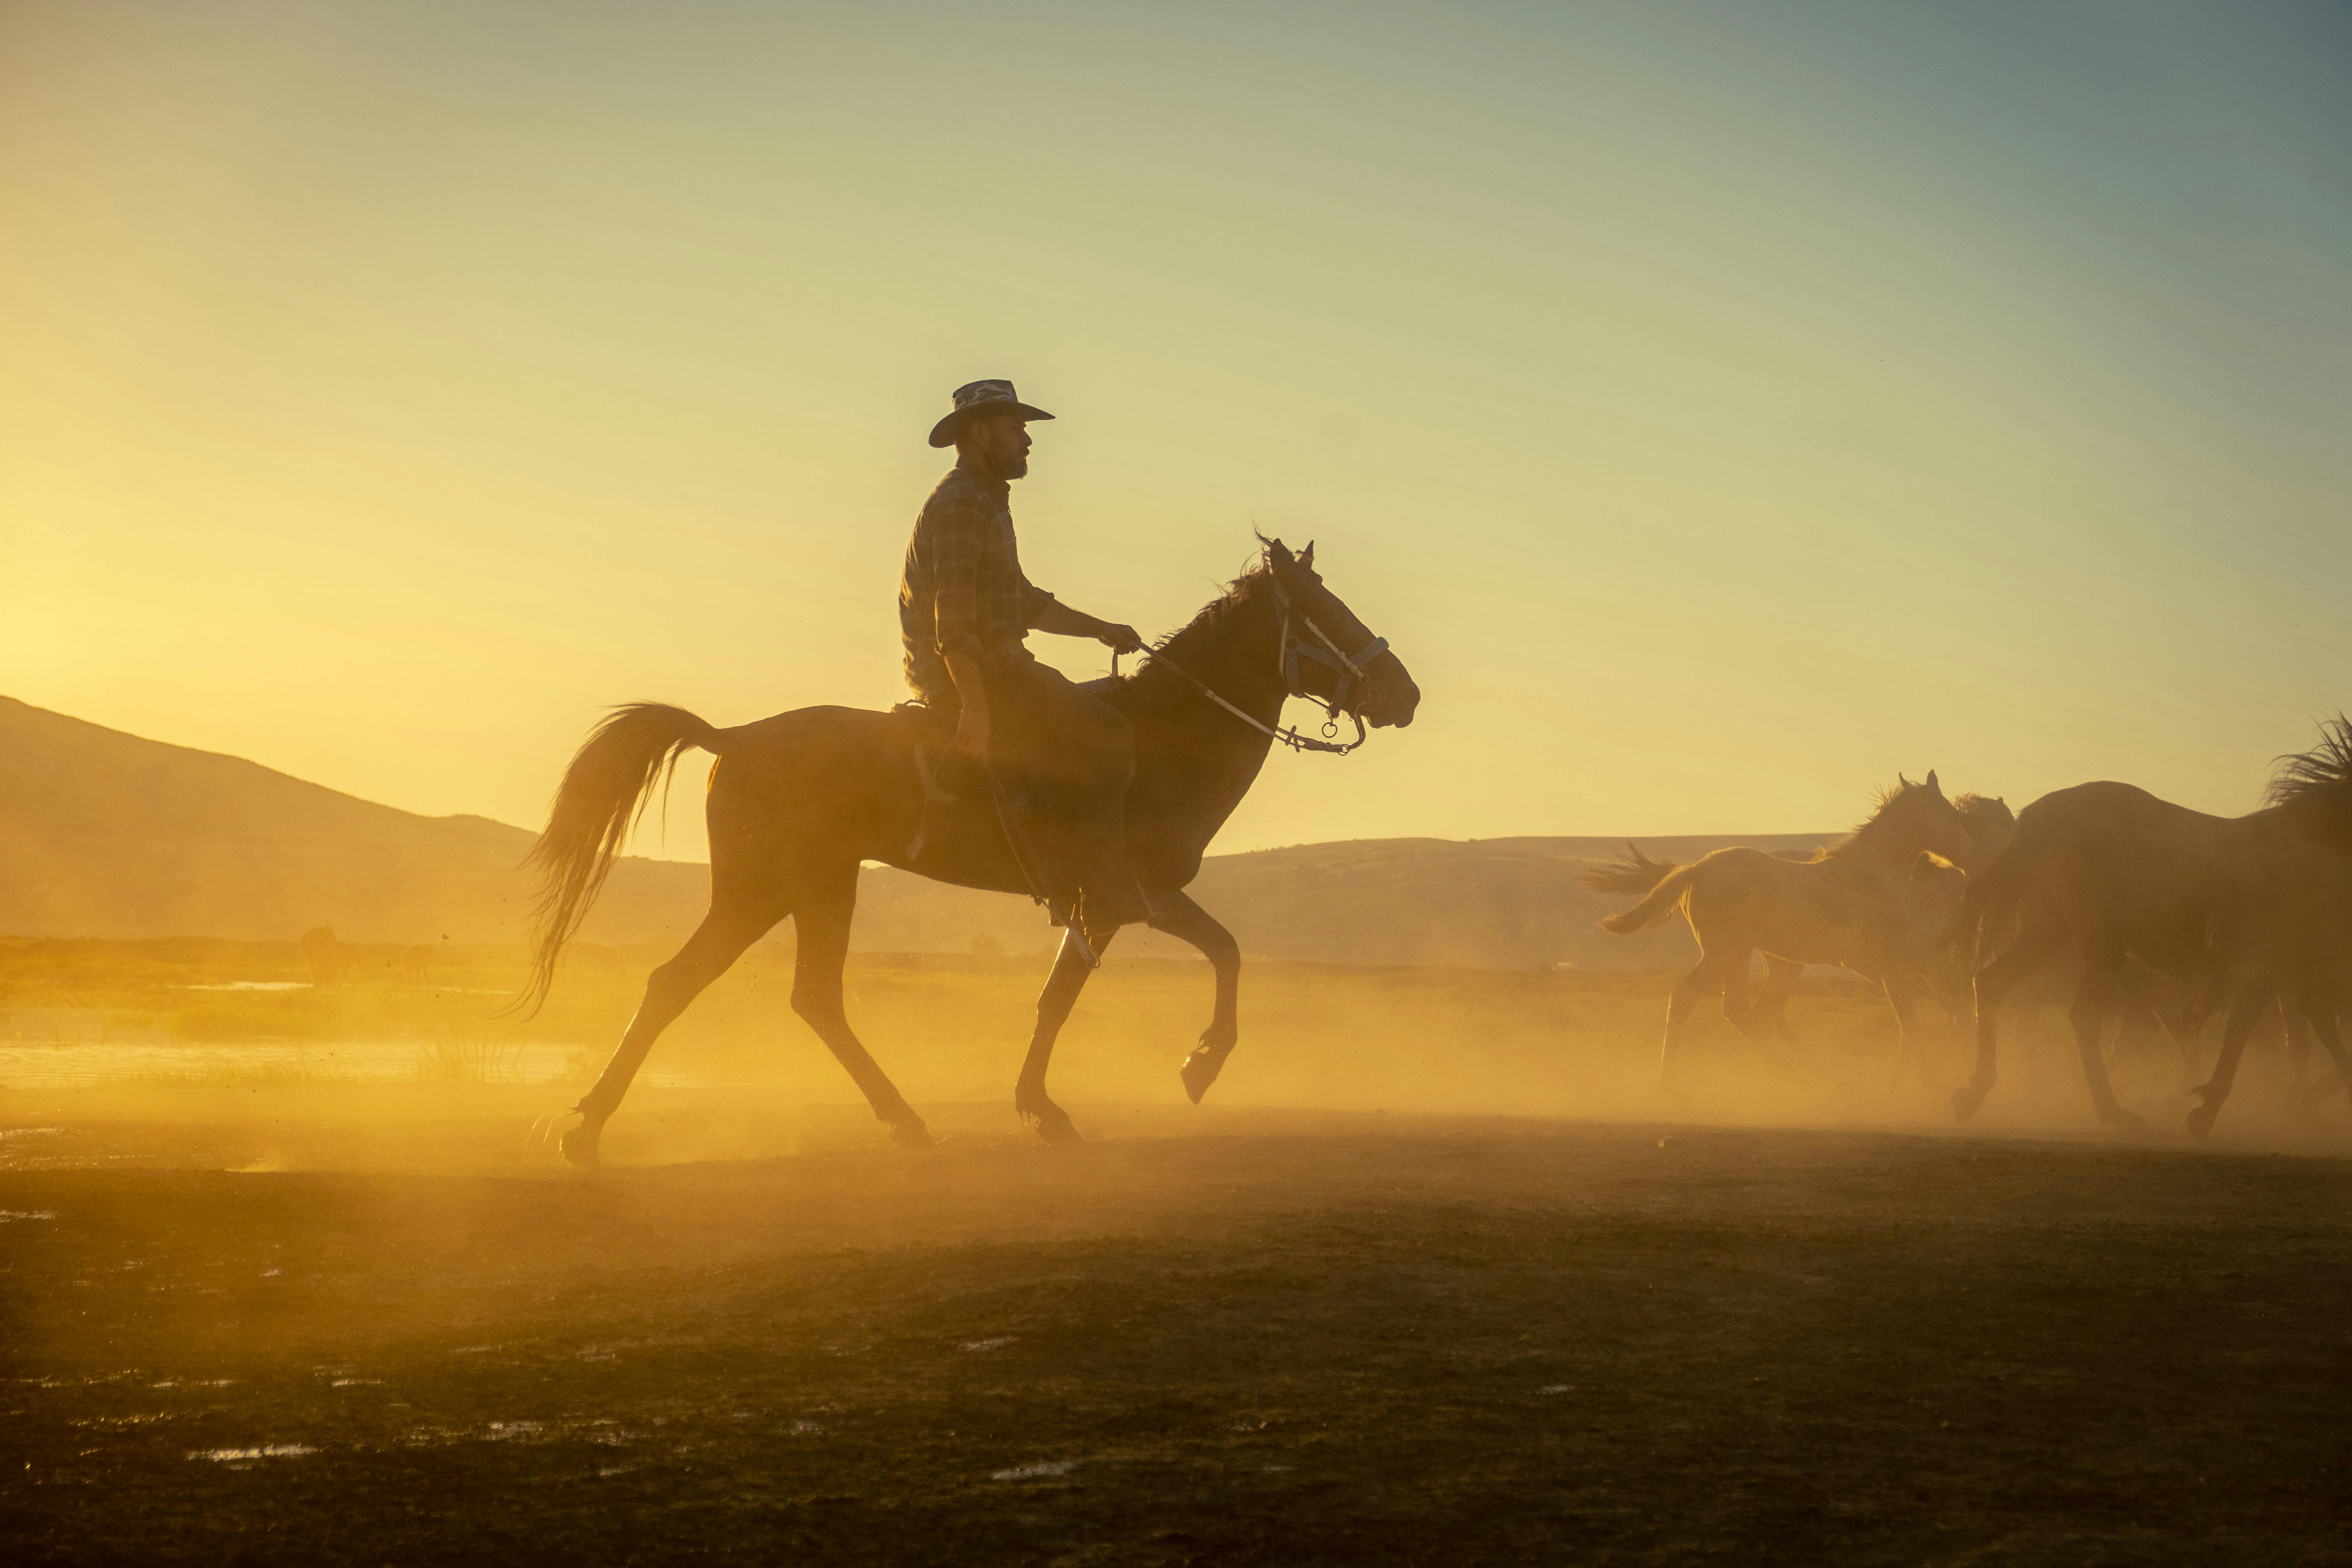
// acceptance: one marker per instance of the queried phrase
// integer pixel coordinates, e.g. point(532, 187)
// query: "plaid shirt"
point(963, 591)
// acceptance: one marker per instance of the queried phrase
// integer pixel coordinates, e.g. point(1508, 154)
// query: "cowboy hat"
point(979, 397)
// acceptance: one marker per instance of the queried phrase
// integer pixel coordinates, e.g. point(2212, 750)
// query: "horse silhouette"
point(797, 801)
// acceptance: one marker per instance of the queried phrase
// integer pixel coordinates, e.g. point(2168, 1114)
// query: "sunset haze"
point(1721, 408)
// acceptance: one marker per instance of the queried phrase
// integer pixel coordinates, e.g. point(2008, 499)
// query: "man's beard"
point(1014, 467)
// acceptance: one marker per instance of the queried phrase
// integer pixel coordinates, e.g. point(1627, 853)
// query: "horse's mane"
point(1896, 790)
point(2320, 778)
point(1182, 646)
point(1981, 814)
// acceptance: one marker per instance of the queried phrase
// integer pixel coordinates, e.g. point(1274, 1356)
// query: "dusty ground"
point(1232, 1338)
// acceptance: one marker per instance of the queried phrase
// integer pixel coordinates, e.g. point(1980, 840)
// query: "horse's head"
point(1990, 823)
point(1917, 817)
point(1384, 694)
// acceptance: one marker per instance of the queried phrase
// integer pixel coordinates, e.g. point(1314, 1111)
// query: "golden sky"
point(1720, 408)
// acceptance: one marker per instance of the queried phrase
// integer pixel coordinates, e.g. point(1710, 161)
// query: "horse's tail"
point(1666, 896)
point(1631, 872)
point(604, 793)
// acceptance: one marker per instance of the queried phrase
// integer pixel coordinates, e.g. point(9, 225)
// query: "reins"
point(1351, 674)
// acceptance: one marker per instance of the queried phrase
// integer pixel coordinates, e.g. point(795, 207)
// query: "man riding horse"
point(1127, 781)
point(965, 611)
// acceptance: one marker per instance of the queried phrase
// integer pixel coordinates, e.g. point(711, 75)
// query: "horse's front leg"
point(1179, 917)
point(1902, 1000)
point(2246, 1005)
point(1993, 985)
point(1072, 964)
point(2093, 997)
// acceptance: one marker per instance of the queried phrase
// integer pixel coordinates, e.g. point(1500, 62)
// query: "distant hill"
point(107, 834)
point(103, 833)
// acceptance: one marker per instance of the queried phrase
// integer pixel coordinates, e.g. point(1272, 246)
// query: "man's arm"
point(955, 612)
point(1045, 613)
point(971, 694)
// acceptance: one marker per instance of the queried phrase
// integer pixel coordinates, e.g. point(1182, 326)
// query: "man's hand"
point(972, 735)
point(1058, 618)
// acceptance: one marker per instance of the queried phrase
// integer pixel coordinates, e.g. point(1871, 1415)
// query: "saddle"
point(962, 805)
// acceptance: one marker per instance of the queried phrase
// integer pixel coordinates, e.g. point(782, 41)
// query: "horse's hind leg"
point(1750, 1010)
point(822, 920)
point(1909, 1059)
point(1686, 994)
point(717, 943)
point(1780, 977)
point(1178, 916)
point(1071, 968)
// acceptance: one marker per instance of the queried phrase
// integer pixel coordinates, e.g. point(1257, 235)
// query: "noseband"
point(1350, 669)
point(1350, 666)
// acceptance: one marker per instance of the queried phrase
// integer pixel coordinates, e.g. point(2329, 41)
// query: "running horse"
point(797, 801)
point(1851, 903)
point(2244, 912)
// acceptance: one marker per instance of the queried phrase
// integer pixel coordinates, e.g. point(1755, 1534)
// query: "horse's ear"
point(1306, 556)
point(1279, 553)
point(1932, 784)
point(1902, 782)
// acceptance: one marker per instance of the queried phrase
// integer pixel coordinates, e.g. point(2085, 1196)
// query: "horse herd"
point(2129, 908)
point(2135, 906)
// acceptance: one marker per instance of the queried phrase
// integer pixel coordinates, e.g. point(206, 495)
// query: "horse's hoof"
point(1200, 1070)
point(1048, 1121)
point(1966, 1100)
point(2201, 1120)
point(912, 1135)
point(2130, 1122)
point(579, 1146)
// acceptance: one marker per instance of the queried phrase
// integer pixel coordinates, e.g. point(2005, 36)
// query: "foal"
point(1849, 905)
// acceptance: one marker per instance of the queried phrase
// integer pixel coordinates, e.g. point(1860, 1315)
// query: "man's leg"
point(1078, 755)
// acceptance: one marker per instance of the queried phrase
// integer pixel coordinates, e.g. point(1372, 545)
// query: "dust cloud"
point(410, 1058)
point(285, 1280)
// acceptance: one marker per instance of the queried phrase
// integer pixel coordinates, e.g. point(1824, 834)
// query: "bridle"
point(1350, 669)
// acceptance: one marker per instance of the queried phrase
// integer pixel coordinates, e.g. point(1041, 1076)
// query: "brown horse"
point(2243, 911)
point(2283, 931)
point(1849, 904)
point(2146, 1003)
point(797, 801)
